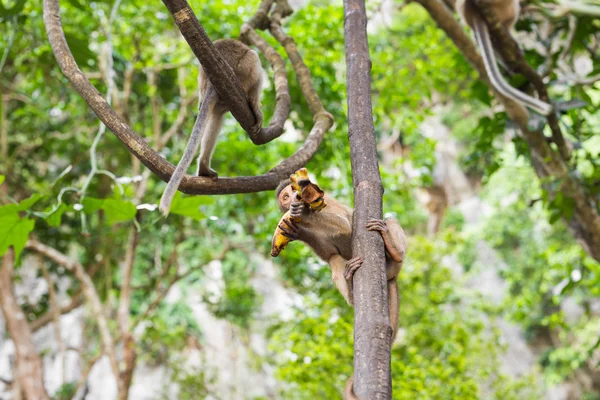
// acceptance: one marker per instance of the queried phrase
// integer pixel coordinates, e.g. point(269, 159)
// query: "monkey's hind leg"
point(209, 141)
point(339, 267)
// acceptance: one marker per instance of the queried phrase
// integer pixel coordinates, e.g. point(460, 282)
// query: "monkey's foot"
point(352, 266)
point(208, 172)
point(376, 225)
point(290, 229)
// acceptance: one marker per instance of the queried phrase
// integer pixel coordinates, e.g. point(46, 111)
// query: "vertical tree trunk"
point(29, 371)
point(372, 330)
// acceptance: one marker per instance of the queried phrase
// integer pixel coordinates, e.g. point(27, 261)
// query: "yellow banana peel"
point(310, 194)
point(280, 241)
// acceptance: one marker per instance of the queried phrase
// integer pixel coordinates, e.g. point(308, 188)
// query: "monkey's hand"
point(297, 209)
point(290, 229)
point(393, 237)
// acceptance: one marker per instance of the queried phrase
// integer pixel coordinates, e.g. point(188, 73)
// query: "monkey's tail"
point(191, 149)
point(482, 36)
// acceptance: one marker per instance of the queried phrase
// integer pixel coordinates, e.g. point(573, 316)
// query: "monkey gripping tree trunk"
point(372, 330)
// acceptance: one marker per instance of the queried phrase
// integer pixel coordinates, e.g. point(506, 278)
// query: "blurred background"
point(498, 299)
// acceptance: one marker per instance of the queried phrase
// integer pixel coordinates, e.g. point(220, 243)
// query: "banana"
point(280, 241)
point(310, 194)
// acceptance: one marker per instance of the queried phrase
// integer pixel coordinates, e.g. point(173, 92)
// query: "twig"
point(46, 318)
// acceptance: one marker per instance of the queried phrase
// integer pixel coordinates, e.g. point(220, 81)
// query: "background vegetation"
point(83, 199)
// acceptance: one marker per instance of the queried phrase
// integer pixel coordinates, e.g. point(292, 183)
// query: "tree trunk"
point(29, 371)
point(372, 329)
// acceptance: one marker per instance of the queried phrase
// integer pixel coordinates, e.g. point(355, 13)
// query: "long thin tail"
point(208, 102)
point(482, 37)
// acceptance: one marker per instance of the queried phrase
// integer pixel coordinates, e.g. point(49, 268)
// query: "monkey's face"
point(285, 198)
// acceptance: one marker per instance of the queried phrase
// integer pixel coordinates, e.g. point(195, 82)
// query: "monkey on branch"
point(246, 66)
point(325, 225)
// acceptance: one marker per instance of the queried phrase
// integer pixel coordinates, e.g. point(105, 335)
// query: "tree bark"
point(29, 371)
point(372, 329)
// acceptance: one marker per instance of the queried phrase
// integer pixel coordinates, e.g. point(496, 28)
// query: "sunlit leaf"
point(118, 210)
point(14, 230)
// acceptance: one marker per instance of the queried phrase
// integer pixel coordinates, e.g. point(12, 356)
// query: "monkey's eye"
point(286, 196)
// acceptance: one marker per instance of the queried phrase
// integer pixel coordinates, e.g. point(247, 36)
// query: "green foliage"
point(14, 229)
point(65, 391)
point(167, 332)
point(239, 300)
point(189, 206)
point(447, 346)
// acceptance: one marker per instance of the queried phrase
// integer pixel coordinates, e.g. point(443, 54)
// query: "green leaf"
point(118, 210)
point(14, 230)
point(91, 204)
point(27, 203)
point(190, 206)
point(2, 177)
point(55, 218)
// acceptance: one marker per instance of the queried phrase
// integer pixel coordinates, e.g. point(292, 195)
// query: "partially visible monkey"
point(507, 12)
point(329, 233)
point(246, 65)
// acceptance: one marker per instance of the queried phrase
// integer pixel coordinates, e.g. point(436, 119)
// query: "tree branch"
point(372, 329)
point(89, 291)
point(547, 163)
point(513, 56)
point(283, 100)
point(150, 158)
point(47, 317)
point(219, 73)
point(29, 371)
point(55, 310)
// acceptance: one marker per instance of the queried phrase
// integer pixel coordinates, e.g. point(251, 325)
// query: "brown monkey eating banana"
point(246, 66)
point(507, 12)
point(328, 232)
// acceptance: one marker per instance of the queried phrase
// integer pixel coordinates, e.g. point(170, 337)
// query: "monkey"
point(246, 66)
point(507, 12)
point(329, 234)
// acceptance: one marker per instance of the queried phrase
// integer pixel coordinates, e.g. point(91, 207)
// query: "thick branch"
point(151, 159)
point(283, 100)
point(89, 291)
point(372, 329)
point(29, 371)
point(547, 163)
point(512, 55)
point(219, 73)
